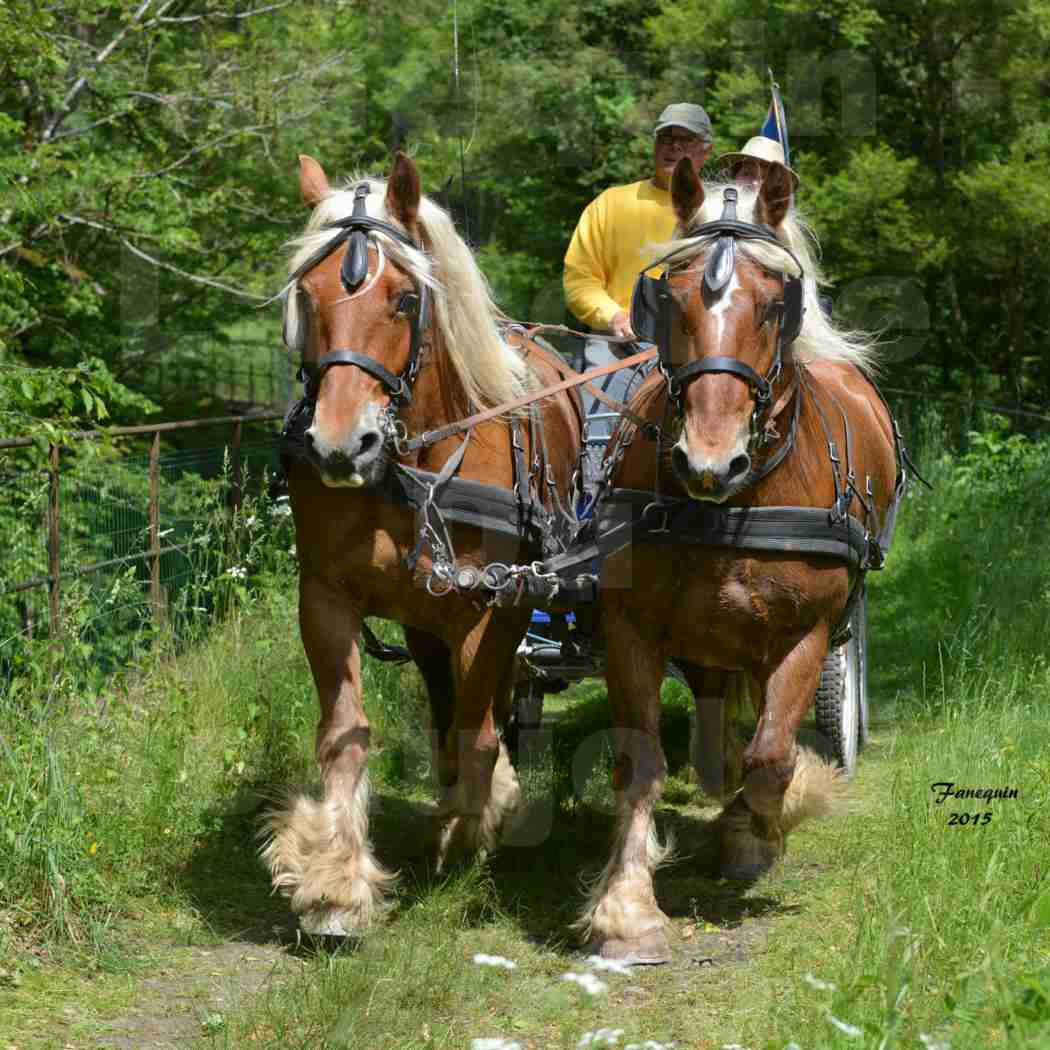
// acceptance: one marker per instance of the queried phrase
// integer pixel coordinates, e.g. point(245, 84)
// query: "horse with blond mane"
point(761, 486)
point(398, 336)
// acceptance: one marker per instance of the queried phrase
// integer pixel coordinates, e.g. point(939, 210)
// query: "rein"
point(431, 437)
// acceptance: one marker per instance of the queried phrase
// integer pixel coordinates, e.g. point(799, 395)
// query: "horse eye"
point(406, 303)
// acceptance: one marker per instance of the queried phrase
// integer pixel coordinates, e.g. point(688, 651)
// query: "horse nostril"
point(739, 465)
point(369, 441)
point(680, 462)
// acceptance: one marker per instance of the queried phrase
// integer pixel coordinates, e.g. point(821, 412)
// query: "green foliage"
point(111, 777)
point(147, 154)
point(971, 548)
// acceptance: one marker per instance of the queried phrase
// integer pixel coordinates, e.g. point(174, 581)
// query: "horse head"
point(736, 304)
point(353, 301)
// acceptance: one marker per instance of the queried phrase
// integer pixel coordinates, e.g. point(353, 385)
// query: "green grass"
point(889, 921)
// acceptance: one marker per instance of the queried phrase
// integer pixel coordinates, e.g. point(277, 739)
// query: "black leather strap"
point(312, 372)
point(356, 228)
point(762, 386)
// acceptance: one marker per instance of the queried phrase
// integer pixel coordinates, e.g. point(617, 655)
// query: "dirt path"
point(162, 993)
point(194, 995)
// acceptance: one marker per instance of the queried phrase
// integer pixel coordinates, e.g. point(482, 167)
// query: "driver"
point(609, 248)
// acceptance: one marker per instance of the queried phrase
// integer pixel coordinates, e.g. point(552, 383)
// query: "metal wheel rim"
point(850, 724)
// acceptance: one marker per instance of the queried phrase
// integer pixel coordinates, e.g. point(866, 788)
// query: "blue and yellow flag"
point(775, 127)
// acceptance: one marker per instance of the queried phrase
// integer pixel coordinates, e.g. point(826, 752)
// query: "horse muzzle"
point(708, 478)
point(358, 461)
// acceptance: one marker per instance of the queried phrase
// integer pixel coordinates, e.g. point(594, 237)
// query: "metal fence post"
point(235, 457)
point(55, 604)
point(155, 593)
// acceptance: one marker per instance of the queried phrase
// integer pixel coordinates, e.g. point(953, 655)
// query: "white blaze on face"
point(718, 311)
point(705, 462)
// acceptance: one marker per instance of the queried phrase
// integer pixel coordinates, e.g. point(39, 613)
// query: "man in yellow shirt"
point(610, 244)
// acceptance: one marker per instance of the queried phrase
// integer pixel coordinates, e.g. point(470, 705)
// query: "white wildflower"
point(251, 521)
point(816, 982)
point(610, 965)
point(481, 959)
point(238, 572)
point(603, 1037)
point(733, 1046)
point(933, 1044)
point(494, 1044)
point(845, 1027)
point(587, 981)
point(792, 1046)
point(649, 1044)
point(282, 510)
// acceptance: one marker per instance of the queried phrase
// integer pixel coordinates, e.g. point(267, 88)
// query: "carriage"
point(434, 481)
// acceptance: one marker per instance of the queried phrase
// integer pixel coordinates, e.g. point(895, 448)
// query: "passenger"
point(748, 167)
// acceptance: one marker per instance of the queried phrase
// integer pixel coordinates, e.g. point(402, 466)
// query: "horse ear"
point(687, 191)
point(313, 182)
point(403, 190)
point(774, 198)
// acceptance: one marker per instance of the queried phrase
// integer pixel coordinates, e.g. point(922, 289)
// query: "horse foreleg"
point(318, 852)
point(479, 788)
point(783, 784)
point(621, 917)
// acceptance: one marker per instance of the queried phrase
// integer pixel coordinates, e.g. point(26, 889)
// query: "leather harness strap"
point(431, 437)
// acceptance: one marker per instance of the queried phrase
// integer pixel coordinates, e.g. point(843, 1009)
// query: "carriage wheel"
point(838, 704)
point(860, 633)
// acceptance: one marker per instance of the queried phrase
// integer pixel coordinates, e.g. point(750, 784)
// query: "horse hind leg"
point(318, 851)
point(479, 787)
point(716, 747)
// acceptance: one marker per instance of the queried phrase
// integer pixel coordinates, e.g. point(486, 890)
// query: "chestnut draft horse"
point(398, 336)
point(756, 408)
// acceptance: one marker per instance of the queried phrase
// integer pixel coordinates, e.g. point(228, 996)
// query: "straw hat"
point(759, 148)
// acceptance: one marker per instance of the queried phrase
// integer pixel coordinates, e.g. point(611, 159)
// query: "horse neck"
point(438, 395)
point(805, 475)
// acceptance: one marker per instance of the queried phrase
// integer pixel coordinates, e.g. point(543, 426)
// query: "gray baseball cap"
point(685, 115)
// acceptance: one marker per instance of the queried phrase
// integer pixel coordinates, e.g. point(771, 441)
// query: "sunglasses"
point(668, 138)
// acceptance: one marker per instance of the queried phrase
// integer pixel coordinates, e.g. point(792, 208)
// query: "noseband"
point(653, 306)
point(354, 269)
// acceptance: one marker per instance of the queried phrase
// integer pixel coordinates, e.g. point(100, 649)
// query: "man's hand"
point(621, 325)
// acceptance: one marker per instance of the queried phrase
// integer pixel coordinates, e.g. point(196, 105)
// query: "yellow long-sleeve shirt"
point(609, 248)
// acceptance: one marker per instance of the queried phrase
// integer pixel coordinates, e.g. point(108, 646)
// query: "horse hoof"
point(651, 949)
point(327, 922)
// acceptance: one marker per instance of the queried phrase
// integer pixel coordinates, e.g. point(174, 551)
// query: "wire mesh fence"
point(108, 543)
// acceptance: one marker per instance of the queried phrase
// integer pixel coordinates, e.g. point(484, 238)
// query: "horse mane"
point(820, 337)
point(491, 371)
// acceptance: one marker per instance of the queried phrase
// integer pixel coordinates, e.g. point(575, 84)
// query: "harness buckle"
point(665, 519)
point(440, 574)
point(399, 434)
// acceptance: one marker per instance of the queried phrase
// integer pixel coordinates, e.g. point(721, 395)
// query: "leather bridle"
point(354, 269)
point(653, 307)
